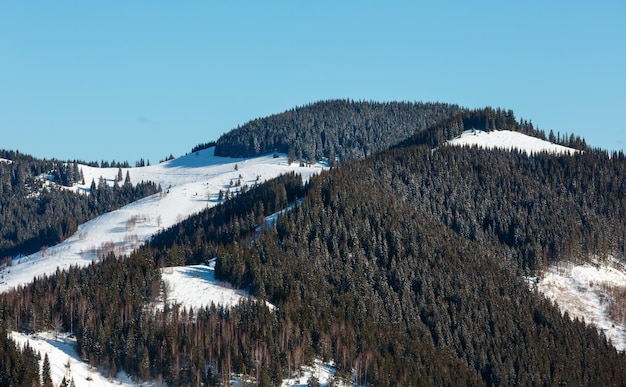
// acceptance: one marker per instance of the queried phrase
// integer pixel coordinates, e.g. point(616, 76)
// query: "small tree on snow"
point(47, 378)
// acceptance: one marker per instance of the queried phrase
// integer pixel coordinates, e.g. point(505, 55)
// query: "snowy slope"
point(506, 139)
point(581, 291)
point(190, 184)
point(61, 353)
point(195, 286)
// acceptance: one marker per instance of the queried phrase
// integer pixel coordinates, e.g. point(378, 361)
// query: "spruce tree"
point(47, 379)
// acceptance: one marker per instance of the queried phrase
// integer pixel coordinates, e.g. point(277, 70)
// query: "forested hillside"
point(35, 213)
point(405, 268)
point(339, 130)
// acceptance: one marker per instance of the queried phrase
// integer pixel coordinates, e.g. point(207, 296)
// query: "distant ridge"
point(339, 130)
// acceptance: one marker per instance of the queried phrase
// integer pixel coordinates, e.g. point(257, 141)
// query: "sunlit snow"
point(324, 373)
point(195, 286)
point(190, 184)
point(581, 291)
point(65, 362)
point(506, 139)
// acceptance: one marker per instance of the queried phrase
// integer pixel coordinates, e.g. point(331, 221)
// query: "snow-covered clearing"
point(506, 139)
point(324, 373)
point(581, 290)
point(61, 354)
point(195, 286)
point(190, 184)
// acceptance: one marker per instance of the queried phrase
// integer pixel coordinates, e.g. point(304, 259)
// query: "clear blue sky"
point(126, 80)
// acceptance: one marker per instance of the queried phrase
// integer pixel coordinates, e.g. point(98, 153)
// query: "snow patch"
point(195, 287)
point(509, 140)
point(65, 362)
point(324, 373)
point(580, 290)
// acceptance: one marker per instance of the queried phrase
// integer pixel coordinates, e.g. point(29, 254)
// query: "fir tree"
point(46, 377)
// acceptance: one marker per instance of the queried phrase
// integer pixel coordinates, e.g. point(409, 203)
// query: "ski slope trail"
point(189, 184)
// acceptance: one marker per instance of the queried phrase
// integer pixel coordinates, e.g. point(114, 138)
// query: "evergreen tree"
point(46, 377)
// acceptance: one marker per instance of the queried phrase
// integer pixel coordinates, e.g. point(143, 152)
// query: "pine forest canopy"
point(337, 129)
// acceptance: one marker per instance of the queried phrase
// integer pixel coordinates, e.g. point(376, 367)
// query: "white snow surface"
point(323, 372)
point(61, 351)
point(578, 290)
point(509, 140)
point(195, 286)
point(190, 184)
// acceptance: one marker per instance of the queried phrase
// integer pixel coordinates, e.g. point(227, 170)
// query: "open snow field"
point(581, 291)
point(195, 286)
point(65, 362)
point(509, 140)
point(190, 184)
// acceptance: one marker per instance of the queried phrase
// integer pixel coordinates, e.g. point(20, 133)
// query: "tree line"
point(338, 130)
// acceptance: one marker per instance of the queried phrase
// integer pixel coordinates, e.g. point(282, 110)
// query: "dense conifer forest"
point(339, 130)
point(404, 267)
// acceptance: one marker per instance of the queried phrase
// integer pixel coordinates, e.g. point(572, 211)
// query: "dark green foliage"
point(18, 366)
point(545, 207)
point(203, 146)
point(337, 129)
point(45, 375)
